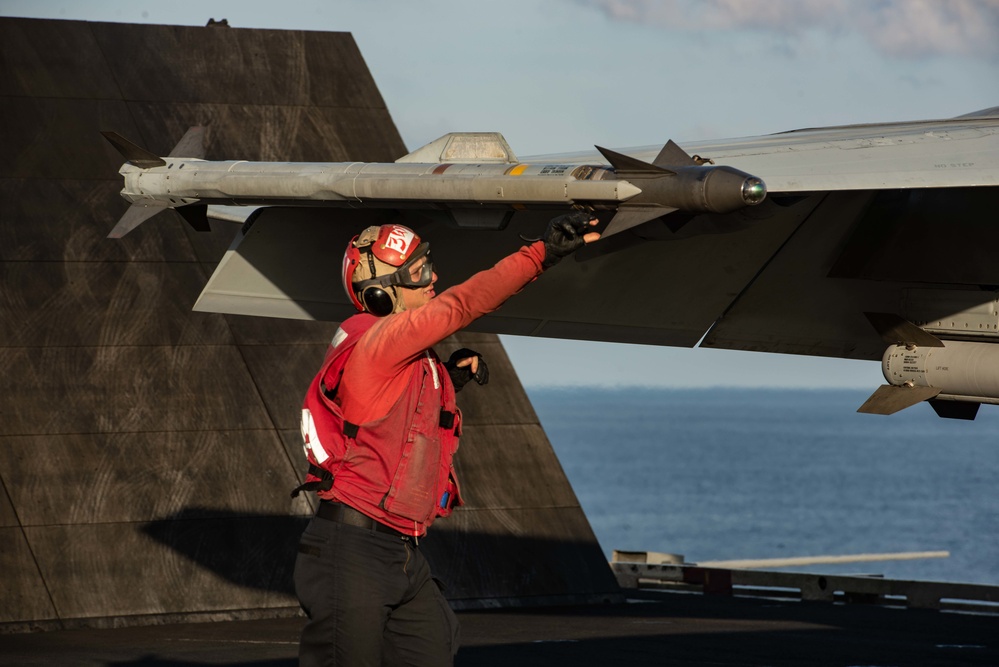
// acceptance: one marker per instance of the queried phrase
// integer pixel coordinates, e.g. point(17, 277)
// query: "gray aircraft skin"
point(861, 242)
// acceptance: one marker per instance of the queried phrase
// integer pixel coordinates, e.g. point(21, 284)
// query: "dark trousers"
point(370, 600)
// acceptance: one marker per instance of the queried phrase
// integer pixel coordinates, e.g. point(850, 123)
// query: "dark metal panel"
point(68, 220)
point(51, 304)
point(184, 63)
point(362, 136)
point(126, 389)
point(278, 132)
point(21, 587)
point(178, 564)
point(43, 58)
point(210, 247)
point(60, 138)
point(944, 236)
point(338, 74)
point(136, 477)
point(509, 553)
point(8, 518)
point(511, 466)
point(282, 374)
point(292, 442)
point(271, 331)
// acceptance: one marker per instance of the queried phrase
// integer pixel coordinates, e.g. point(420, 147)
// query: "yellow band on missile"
point(518, 170)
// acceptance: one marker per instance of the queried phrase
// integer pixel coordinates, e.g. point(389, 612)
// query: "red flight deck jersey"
point(394, 388)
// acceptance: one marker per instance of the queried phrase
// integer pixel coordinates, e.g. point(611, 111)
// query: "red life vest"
point(397, 469)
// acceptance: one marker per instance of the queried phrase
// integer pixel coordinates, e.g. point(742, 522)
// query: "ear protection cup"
point(390, 250)
point(377, 301)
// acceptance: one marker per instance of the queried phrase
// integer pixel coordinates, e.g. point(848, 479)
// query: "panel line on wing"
point(762, 269)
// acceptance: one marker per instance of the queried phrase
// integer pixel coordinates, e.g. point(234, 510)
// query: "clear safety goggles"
point(403, 276)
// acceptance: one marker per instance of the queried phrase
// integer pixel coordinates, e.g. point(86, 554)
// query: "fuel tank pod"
point(959, 369)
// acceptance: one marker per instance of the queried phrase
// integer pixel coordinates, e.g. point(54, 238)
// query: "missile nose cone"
point(754, 190)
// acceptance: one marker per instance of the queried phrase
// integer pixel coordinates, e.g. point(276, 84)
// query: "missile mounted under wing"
point(466, 173)
point(863, 242)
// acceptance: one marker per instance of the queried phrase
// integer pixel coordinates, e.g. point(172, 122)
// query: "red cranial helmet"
point(379, 259)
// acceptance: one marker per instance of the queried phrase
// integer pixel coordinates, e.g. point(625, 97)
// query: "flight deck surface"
point(650, 629)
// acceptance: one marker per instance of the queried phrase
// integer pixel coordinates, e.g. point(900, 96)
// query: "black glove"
point(460, 375)
point(564, 236)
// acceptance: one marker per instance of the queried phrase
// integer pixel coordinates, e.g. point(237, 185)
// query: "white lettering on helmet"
point(399, 239)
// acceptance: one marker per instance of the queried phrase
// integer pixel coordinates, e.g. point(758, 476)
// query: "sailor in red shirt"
point(360, 576)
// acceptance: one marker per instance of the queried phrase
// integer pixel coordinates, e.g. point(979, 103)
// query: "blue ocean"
point(724, 474)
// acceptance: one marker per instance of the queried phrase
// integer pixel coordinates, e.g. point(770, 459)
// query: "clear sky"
point(562, 75)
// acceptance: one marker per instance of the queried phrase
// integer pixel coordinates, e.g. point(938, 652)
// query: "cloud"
point(899, 28)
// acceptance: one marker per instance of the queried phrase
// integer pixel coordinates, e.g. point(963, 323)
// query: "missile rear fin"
point(191, 145)
point(133, 217)
point(629, 167)
point(133, 153)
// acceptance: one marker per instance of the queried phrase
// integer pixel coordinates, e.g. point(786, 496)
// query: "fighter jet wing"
point(954, 152)
point(891, 218)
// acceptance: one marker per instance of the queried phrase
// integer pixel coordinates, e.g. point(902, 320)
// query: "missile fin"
point(628, 217)
point(133, 153)
point(673, 156)
point(134, 216)
point(889, 399)
point(895, 330)
point(192, 144)
point(196, 215)
point(625, 164)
